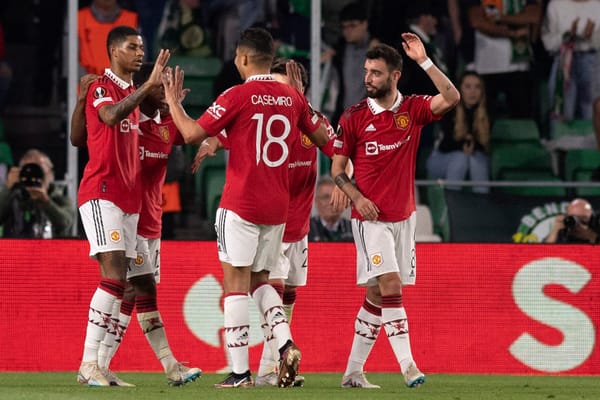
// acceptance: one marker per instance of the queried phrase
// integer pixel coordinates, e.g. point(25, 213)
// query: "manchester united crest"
point(402, 120)
point(305, 140)
point(115, 235)
point(163, 131)
point(376, 259)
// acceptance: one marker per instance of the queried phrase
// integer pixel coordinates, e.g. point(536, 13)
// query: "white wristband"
point(426, 64)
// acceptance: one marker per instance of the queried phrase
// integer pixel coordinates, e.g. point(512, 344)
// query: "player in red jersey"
point(109, 193)
point(381, 136)
point(158, 135)
point(258, 117)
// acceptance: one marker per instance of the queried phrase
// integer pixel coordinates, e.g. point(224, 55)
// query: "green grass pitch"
point(151, 386)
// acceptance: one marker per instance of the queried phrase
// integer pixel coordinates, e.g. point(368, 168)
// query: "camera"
point(571, 221)
point(31, 175)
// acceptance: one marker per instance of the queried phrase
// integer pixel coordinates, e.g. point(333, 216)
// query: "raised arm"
point(448, 95)
point(78, 135)
point(113, 113)
point(191, 131)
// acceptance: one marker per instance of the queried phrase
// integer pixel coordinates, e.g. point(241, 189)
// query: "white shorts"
point(147, 260)
point(383, 247)
point(293, 263)
point(242, 243)
point(108, 228)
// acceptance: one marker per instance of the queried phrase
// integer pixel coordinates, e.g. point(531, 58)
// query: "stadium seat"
point(532, 175)
point(579, 167)
point(436, 201)
point(197, 67)
point(6, 154)
point(215, 179)
point(200, 95)
point(576, 127)
point(523, 156)
point(514, 130)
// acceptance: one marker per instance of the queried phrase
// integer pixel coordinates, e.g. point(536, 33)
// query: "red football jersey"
point(303, 176)
point(259, 116)
point(113, 170)
point(157, 138)
point(383, 146)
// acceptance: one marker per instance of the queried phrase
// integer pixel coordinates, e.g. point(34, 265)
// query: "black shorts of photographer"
point(579, 224)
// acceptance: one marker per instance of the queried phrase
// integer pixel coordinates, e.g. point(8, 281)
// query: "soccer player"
point(258, 117)
point(158, 135)
point(109, 197)
point(381, 137)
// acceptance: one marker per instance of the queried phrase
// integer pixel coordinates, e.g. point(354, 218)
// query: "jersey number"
point(273, 138)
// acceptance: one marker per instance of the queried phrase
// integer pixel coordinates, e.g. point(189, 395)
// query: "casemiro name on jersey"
point(269, 100)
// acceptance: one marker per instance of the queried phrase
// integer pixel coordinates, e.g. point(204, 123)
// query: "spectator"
point(502, 56)
point(578, 225)
point(328, 225)
point(150, 13)
point(31, 205)
point(94, 23)
point(571, 32)
point(5, 71)
point(463, 149)
point(349, 55)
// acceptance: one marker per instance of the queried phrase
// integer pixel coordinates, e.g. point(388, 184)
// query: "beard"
point(377, 93)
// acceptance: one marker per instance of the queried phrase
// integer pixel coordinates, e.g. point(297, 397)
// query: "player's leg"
point(270, 304)
point(366, 329)
point(237, 242)
point(107, 229)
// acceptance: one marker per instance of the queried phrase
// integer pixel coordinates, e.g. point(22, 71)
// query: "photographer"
point(578, 225)
point(31, 206)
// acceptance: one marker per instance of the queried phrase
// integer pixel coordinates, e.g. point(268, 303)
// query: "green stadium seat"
point(526, 176)
point(6, 154)
point(197, 67)
point(199, 96)
point(523, 156)
point(579, 167)
point(576, 127)
point(515, 130)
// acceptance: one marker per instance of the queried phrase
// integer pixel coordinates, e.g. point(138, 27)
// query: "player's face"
point(129, 54)
point(378, 79)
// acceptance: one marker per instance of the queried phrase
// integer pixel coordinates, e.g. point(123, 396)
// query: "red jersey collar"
point(260, 77)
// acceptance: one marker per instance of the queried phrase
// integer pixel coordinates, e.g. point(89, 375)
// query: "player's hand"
point(173, 83)
point(367, 209)
point(413, 47)
point(208, 148)
point(294, 75)
point(339, 201)
point(84, 84)
point(155, 78)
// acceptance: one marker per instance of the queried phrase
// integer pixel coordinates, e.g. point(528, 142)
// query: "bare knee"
point(390, 284)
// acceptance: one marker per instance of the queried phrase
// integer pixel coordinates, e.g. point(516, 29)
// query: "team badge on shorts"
point(115, 236)
point(402, 120)
point(376, 259)
point(139, 260)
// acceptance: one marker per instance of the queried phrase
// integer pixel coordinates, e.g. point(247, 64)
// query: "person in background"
point(31, 205)
point(578, 225)
point(381, 137)
point(329, 225)
point(571, 33)
point(348, 55)
point(109, 197)
point(258, 117)
point(94, 22)
point(158, 135)
point(463, 149)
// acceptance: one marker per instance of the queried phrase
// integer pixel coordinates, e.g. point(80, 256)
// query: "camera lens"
point(570, 222)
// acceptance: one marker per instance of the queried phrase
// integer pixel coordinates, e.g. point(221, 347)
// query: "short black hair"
point(353, 12)
point(261, 42)
point(278, 67)
point(390, 55)
point(119, 34)
point(141, 76)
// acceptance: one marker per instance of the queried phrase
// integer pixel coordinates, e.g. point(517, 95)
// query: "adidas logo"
point(370, 128)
